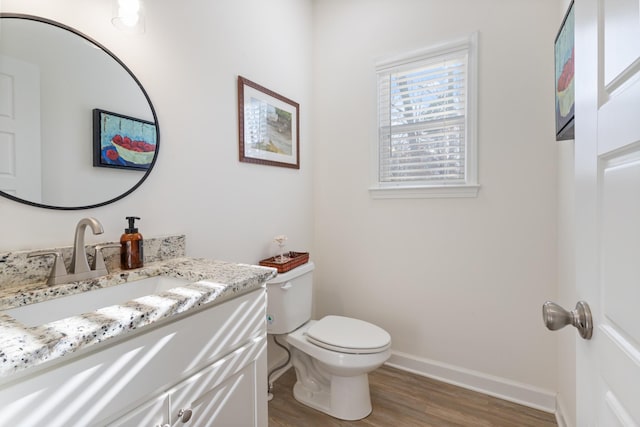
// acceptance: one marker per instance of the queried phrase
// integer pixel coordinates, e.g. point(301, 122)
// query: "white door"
point(20, 158)
point(607, 178)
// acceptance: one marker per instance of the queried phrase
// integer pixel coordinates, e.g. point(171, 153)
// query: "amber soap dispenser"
point(131, 247)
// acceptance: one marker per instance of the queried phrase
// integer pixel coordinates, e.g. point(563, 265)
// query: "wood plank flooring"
point(402, 399)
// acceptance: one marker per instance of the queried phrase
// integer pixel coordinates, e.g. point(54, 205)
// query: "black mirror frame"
point(144, 92)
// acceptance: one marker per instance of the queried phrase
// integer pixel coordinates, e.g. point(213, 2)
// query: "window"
point(427, 123)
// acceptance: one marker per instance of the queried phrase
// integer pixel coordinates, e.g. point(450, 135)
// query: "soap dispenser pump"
point(131, 247)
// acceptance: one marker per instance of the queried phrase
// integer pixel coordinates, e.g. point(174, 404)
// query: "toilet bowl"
point(335, 382)
point(331, 356)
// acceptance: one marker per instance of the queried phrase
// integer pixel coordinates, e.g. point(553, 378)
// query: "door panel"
point(607, 148)
point(223, 394)
point(621, 29)
point(229, 404)
point(618, 117)
point(20, 153)
point(621, 243)
point(613, 414)
point(620, 373)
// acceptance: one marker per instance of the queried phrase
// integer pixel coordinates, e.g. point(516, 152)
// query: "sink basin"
point(84, 302)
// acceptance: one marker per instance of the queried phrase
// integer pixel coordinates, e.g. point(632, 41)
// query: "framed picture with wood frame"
point(269, 126)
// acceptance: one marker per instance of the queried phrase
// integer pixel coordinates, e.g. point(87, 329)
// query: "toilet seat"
point(347, 335)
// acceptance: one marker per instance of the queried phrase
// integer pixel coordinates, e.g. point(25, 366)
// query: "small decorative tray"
point(291, 260)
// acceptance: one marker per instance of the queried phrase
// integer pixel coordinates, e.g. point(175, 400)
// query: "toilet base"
point(348, 399)
point(332, 382)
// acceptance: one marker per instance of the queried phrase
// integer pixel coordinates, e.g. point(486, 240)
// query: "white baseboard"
point(502, 388)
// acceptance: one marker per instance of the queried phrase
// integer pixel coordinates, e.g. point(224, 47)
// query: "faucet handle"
point(98, 260)
point(59, 270)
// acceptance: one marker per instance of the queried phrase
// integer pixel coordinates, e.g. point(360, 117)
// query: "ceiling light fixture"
point(128, 15)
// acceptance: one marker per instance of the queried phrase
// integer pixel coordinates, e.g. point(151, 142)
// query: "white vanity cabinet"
point(228, 393)
point(208, 368)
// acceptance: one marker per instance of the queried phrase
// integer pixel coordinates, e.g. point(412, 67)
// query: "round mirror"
point(77, 129)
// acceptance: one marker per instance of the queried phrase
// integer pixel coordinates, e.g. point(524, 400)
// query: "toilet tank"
point(289, 299)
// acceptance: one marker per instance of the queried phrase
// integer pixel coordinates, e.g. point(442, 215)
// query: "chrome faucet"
point(79, 262)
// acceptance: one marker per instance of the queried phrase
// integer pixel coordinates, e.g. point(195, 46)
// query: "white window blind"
point(423, 120)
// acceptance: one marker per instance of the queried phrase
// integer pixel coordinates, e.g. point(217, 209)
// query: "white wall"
point(455, 281)
point(188, 61)
point(458, 282)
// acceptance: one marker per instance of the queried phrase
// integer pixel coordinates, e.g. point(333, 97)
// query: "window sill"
point(434, 192)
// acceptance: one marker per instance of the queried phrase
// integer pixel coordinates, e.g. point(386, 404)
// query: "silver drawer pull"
point(185, 415)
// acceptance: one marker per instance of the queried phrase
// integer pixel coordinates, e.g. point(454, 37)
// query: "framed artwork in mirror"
point(269, 126)
point(122, 142)
point(564, 71)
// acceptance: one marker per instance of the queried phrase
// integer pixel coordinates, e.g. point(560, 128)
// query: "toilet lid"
point(348, 335)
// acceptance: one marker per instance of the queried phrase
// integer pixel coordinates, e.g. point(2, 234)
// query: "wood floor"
point(402, 399)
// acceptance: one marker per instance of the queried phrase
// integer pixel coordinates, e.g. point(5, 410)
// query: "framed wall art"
point(564, 70)
point(269, 126)
point(122, 142)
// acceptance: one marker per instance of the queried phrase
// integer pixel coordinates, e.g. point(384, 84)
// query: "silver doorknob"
point(556, 317)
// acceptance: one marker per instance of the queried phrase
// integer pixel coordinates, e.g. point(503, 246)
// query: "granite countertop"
point(211, 282)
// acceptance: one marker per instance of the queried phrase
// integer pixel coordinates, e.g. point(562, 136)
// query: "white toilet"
point(331, 356)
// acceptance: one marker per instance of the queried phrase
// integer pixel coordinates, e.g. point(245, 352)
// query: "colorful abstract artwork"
point(564, 76)
point(123, 142)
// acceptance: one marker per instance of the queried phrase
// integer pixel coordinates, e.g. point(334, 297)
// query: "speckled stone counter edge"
point(210, 282)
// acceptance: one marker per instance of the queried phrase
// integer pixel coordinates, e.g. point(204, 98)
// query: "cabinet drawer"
point(223, 394)
point(152, 413)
